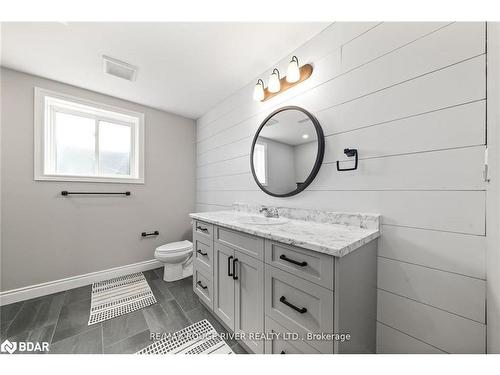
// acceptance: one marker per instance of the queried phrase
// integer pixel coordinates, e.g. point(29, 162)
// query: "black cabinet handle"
point(155, 233)
point(284, 257)
point(201, 252)
point(234, 269)
point(202, 229)
point(229, 266)
point(301, 310)
point(282, 352)
point(200, 284)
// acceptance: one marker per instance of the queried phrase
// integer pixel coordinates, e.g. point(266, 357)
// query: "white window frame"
point(48, 102)
point(264, 144)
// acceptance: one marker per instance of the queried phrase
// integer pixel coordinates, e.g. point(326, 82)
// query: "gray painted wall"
point(305, 157)
point(280, 168)
point(47, 237)
point(411, 98)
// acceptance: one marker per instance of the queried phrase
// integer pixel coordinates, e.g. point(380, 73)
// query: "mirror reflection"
point(285, 152)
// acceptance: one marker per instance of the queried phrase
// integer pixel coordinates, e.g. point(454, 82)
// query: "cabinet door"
point(249, 299)
point(224, 284)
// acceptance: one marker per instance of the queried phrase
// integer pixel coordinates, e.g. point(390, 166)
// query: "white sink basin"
point(261, 220)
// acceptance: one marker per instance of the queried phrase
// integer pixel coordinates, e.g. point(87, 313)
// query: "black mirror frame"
point(319, 155)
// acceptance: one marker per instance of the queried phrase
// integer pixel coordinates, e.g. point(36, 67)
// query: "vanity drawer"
point(203, 229)
point(299, 305)
point(203, 252)
point(202, 286)
point(281, 345)
point(246, 243)
point(308, 264)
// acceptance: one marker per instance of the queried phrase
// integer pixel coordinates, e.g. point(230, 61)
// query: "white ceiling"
point(184, 68)
point(288, 127)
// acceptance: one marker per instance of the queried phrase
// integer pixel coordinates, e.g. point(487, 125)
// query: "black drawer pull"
point(201, 252)
point(301, 310)
point(284, 257)
point(200, 284)
point(229, 266)
point(234, 269)
point(202, 229)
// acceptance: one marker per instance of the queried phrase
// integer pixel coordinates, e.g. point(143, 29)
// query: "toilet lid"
point(175, 247)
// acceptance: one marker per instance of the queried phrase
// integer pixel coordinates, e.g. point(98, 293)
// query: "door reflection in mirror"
point(260, 161)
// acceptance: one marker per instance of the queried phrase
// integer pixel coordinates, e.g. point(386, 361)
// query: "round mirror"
point(287, 151)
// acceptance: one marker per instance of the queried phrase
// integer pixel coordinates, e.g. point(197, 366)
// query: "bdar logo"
point(8, 346)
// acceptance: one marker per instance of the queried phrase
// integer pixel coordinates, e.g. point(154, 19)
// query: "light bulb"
point(305, 136)
point(258, 91)
point(274, 81)
point(293, 72)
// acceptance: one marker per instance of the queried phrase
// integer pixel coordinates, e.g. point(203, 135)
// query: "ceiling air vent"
point(119, 68)
point(271, 122)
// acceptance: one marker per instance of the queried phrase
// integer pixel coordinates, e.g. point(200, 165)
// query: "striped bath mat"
point(119, 296)
point(198, 338)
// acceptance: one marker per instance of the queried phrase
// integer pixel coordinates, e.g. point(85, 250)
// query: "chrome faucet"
point(269, 211)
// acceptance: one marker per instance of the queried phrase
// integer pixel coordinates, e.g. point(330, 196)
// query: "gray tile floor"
point(61, 319)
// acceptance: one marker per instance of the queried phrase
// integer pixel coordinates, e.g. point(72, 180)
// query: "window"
point(78, 140)
point(260, 162)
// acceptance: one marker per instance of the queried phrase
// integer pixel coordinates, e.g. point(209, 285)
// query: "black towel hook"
point(349, 152)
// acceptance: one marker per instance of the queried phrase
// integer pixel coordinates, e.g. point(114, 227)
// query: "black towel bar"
point(155, 233)
point(66, 193)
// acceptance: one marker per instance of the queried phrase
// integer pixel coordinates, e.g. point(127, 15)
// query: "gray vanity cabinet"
point(255, 286)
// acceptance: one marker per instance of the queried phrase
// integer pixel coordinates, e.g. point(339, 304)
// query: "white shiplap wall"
point(411, 98)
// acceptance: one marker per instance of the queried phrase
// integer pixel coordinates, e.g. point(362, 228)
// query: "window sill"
point(109, 180)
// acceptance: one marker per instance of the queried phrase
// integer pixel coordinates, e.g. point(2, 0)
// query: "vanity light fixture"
point(258, 91)
point(293, 71)
point(277, 85)
point(274, 81)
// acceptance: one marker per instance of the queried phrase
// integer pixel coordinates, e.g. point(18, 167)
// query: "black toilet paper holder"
point(349, 152)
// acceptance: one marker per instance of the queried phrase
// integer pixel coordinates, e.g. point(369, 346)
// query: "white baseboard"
point(38, 290)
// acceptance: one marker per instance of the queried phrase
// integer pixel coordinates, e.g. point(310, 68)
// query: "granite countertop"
point(332, 233)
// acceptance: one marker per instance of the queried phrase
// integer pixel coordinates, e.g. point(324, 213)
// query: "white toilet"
point(177, 258)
